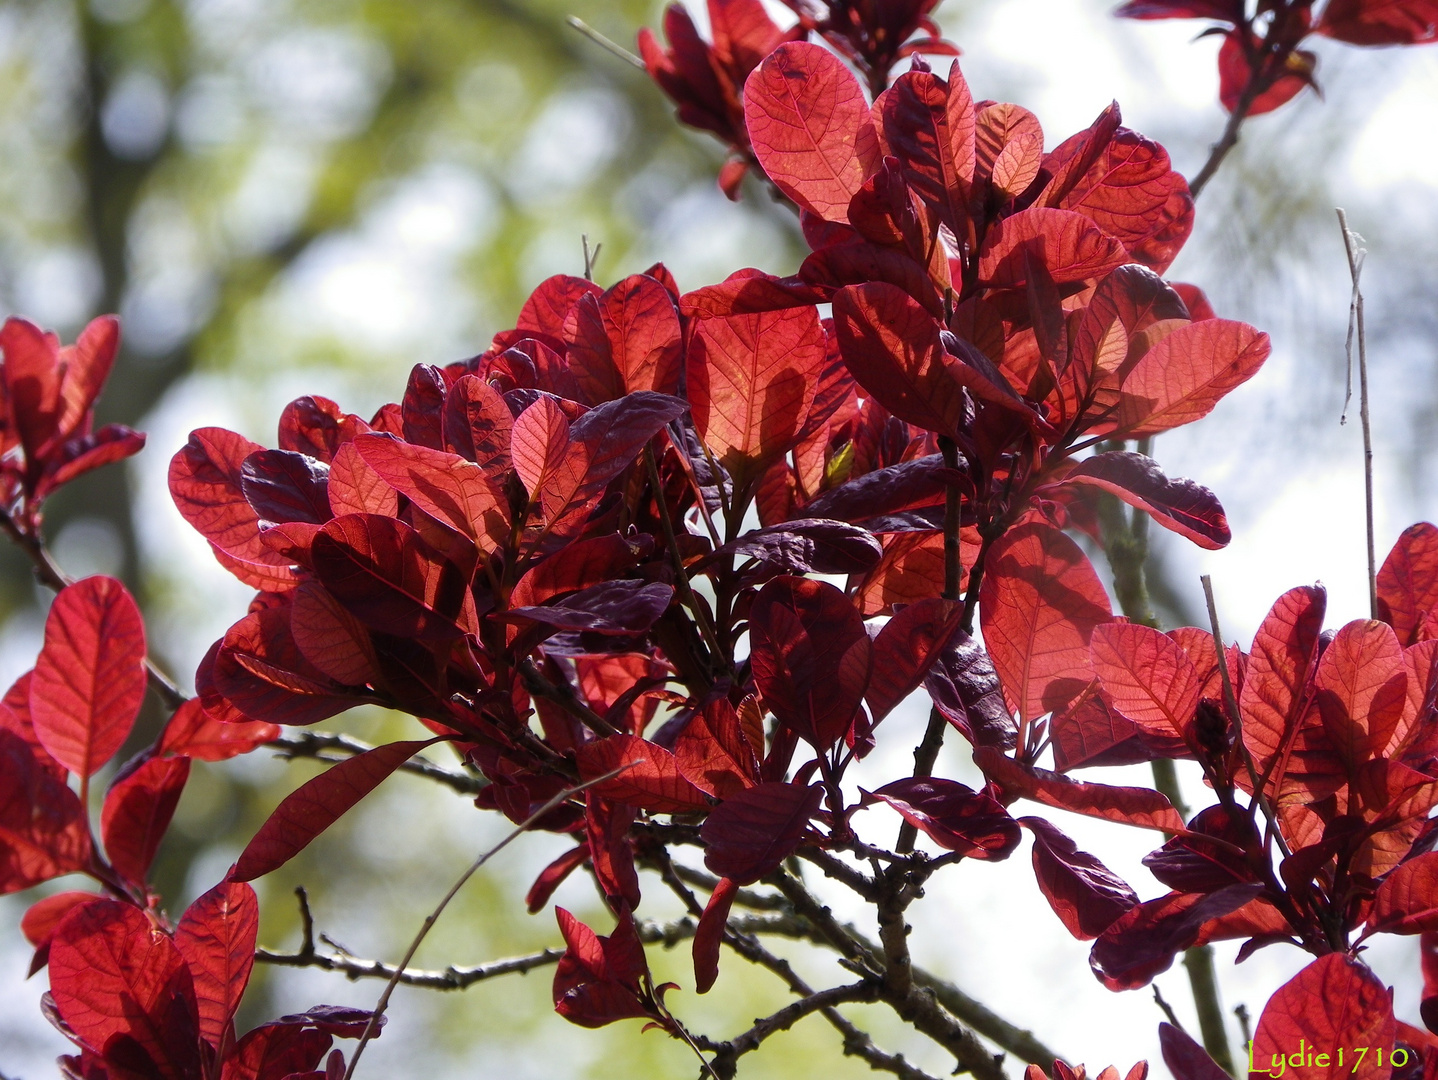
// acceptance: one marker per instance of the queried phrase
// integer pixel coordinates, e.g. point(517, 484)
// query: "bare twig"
point(563, 695)
point(433, 917)
point(727, 1053)
point(1229, 139)
point(1352, 246)
point(590, 256)
point(332, 746)
point(1244, 1022)
point(451, 978)
point(603, 42)
point(1166, 1007)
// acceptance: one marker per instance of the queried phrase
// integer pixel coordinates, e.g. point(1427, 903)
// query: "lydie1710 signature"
point(1347, 1059)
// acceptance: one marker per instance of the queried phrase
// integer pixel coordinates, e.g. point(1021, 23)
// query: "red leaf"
point(1333, 1002)
point(1185, 1059)
point(44, 831)
point(112, 973)
point(749, 834)
point(598, 979)
point(1224, 10)
point(1132, 193)
point(928, 125)
point(138, 808)
point(1234, 73)
point(1189, 509)
point(1147, 676)
point(205, 484)
point(809, 545)
point(713, 752)
point(654, 782)
point(810, 656)
point(965, 689)
point(1407, 899)
point(550, 303)
point(751, 382)
point(1185, 375)
point(1068, 245)
point(615, 607)
point(1361, 686)
point(216, 936)
point(607, 826)
point(1142, 807)
point(90, 678)
point(710, 934)
point(453, 491)
point(1408, 585)
point(1143, 941)
point(553, 875)
point(809, 126)
point(906, 648)
point(1085, 894)
point(317, 804)
point(1038, 605)
point(626, 339)
point(1380, 22)
point(390, 579)
point(32, 381)
point(478, 425)
point(194, 733)
point(355, 488)
point(1284, 650)
point(259, 673)
point(892, 347)
point(329, 637)
point(954, 816)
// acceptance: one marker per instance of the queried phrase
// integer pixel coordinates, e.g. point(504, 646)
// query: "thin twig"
point(1244, 1022)
point(727, 1053)
point(451, 978)
point(564, 696)
point(603, 42)
point(1352, 247)
point(1229, 139)
point(433, 917)
point(681, 578)
point(332, 746)
point(1166, 1007)
point(590, 257)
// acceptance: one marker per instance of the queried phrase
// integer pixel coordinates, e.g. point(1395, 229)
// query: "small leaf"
point(1143, 941)
point(216, 936)
point(1085, 894)
point(906, 648)
point(1408, 585)
point(194, 733)
point(1407, 898)
point(710, 934)
point(614, 607)
point(319, 803)
point(138, 808)
point(1141, 807)
point(1184, 1057)
point(1189, 509)
point(1186, 374)
point(1147, 676)
point(653, 781)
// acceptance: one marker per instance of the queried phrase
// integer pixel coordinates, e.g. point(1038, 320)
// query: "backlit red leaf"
point(626, 339)
point(713, 752)
point(751, 382)
point(954, 816)
point(749, 834)
point(1333, 1002)
point(966, 690)
point(1143, 807)
point(453, 491)
point(1185, 375)
point(317, 804)
point(598, 978)
point(113, 973)
point(1067, 244)
point(653, 780)
point(1408, 585)
point(1147, 676)
point(614, 607)
point(1380, 22)
point(1407, 899)
point(43, 828)
point(1085, 894)
point(892, 347)
point(710, 934)
point(196, 734)
point(90, 678)
point(928, 125)
point(1186, 1059)
point(906, 648)
point(205, 478)
point(1189, 509)
point(216, 936)
point(810, 656)
point(1361, 686)
point(1038, 605)
point(1143, 941)
point(1284, 650)
point(138, 809)
point(809, 126)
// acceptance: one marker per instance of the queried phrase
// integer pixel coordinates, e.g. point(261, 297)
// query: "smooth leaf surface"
point(749, 834)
